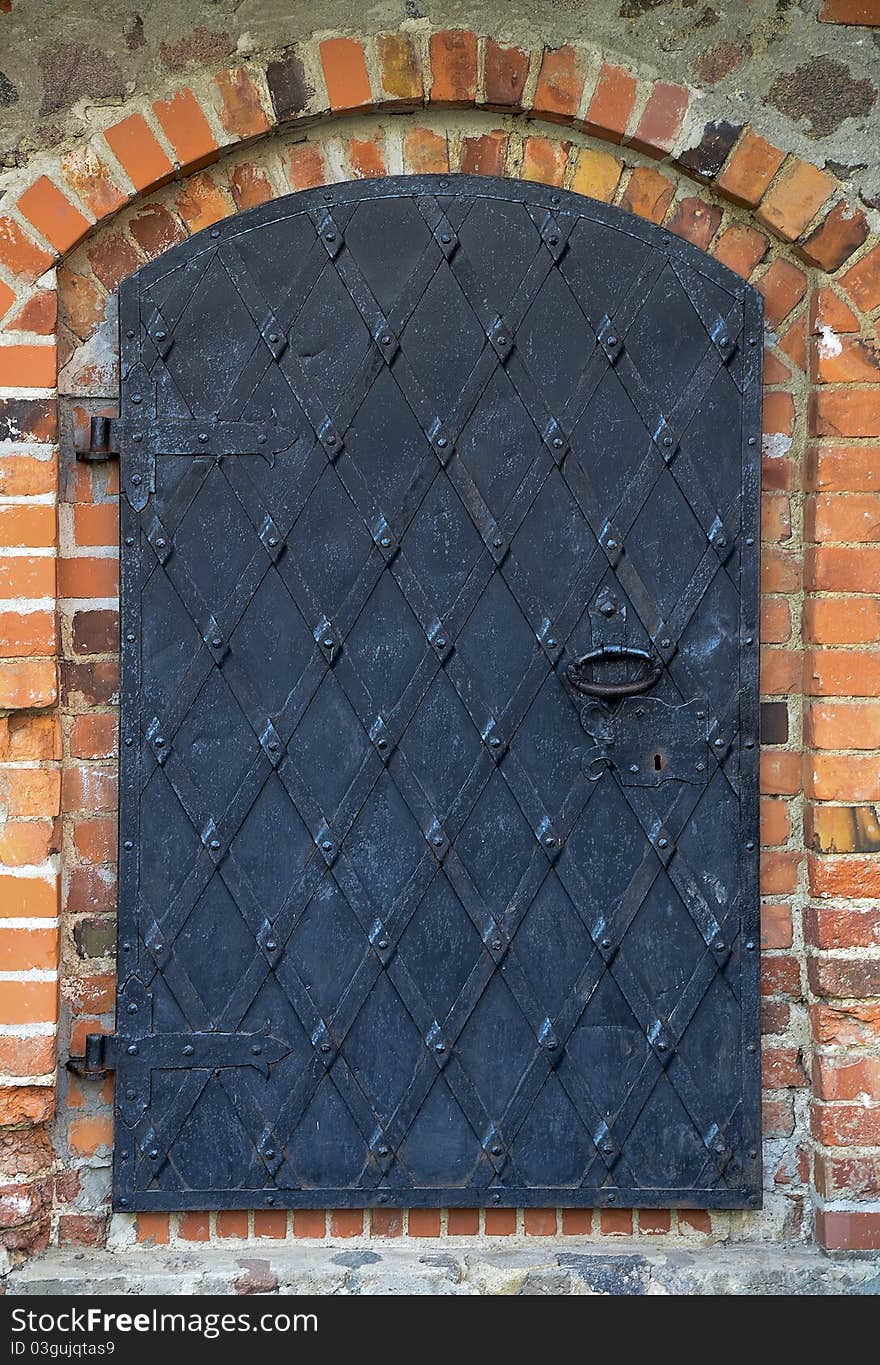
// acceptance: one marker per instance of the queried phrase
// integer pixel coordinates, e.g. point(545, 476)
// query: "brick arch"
point(330, 111)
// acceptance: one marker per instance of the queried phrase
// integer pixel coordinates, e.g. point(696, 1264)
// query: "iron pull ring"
point(587, 688)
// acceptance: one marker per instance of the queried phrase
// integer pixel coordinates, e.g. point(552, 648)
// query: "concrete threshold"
point(447, 1268)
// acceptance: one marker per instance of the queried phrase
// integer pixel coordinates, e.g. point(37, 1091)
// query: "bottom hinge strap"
point(98, 1058)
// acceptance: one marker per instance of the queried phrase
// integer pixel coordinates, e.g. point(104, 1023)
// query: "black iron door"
point(438, 868)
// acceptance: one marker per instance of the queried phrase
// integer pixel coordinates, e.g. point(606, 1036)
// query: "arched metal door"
point(438, 867)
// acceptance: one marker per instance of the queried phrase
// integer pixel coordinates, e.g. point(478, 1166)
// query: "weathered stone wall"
point(217, 134)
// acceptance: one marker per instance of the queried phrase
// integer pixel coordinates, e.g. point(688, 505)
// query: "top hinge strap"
point(103, 440)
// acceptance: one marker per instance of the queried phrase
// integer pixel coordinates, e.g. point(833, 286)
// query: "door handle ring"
point(588, 688)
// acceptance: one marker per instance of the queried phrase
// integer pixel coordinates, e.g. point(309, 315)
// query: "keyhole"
point(658, 763)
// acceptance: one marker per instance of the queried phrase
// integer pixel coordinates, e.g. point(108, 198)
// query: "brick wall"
point(444, 101)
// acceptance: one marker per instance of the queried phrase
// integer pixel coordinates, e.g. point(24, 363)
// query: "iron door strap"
point(438, 779)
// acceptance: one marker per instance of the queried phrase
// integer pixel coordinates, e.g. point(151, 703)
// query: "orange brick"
point(783, 287)
point(186, 128)
point(194, 1227)
point(138, 152)
point(28, 684)
point(29, 791)
point(24, 950)
point(366, 158)
point(575, 1222)
point(848, 360)
point(28, 897)
point(648, 193)
point(778, 413)
point(232, 1223)
point(345, 73)
point(837, 237)
point(560, 85)
point(30, 1002)
point(38, 314)
point(386, 1223)
point(347, 1223)
point(94, 736)
point(540, 1222)
point(794, 343)
point(843, 517)
point(504, 75)
point(425, 152)
point(780, 772)
point(27, 367)
point(842, 620)
point(309, 1223)
point(241, 109)
point(544, 160)
point(250, 186)
point(463, 1222)
point(97, 524)
point(654, 1222)
point(830, 778)
point(795, 198)
point(616, 1222)
point(775, 512)
point(775, 822)
point(424, 1223)
point(842, 829)
point(270, 1223)
point(780, 672)
point(28, 1056)
point(839, 725)
point(29, 737)
point(597, 174)
point(852, 875)
point(28, 633)
point(780, 570)
point(836, 1078)
point(749, 170)
point(153, 1229)
point(20, 253)
point(453, 55)
point(842, 673)
point(305, 166)
point(862, 281)
point(827, 309)
point(7, 298)
point(500, 1222)
point(695, 221)
point(400, 69)
point(612, 104)
point(201, 202)
point(23, 475)
point(52, 214)
point(82, 577)
point(95, 840)
point(776, 926)
point(24, 576)
point(92, 181)
point(775, 620)
point(779, 873)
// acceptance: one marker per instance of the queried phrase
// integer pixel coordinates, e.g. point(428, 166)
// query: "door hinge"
point(103, 440)
point(98, 1058)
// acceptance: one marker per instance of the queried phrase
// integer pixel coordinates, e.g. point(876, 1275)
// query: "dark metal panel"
point(438, 812)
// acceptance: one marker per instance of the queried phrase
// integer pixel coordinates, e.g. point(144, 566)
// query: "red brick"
point(113, 259)
point(484, 155)
point(661, 120)
point(776, 926)
point(453, 54)
point(695, 221)
point(616, 1222)
point(504, 75)
point(250, 185)
point(782, 1068)
point(94, 736)
point(576, 1222)
point(843, 517)
point(842, 673)
point(749, 171)
point(560, 85)
point(780, 975)
point(694, 1220)
point(540, 1222)
point(345, 73)
point(232, 1223)
point(780, 773)
point(424, 1223)
point(270, 1223)
point(95, 840)
point(155, 230)
point(309, 1223)
point(400, 70)
point(201, 202)
point(24, 634)
point(850, 12)
point(850, 1025)
point(654, 1222)
point(612, 104)
point(840, 233)
point(28, 684)
point(844, 977)
point(194, 1227)
point(544, 160)
point(29, 791)
point(827, 309)
point(853, 1177)
point(846, 1125)
point(858, 877)
point(777, 1116)
point(241, 109)
point(366, 158)
point(346, 1223)
point(386, 1223)
point(832, 926)
point(836, 725)
point(845, 412)
point(839, 1078)
point(648, 193)
point(843, 1231)
point(843, 779)
point(794, 342)
point(186, 128)
point(305, 166)
point(52, 214)
point(775, 620)
point(153, 1228)
point(849, 360)
point(83, 577)
point(500, 1222)
point(836, 568)
point(81, 1230)
point(38, 314)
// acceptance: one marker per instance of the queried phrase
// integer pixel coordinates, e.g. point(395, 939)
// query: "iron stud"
point(381, 743)
point(750, 540)
point(325, 1047)
point(719, 945)
point(270, 1199)
point(130, 1093)
point(385, 542)
point(188, 1050)
point(261, 440)
point(753, 440)
point(749, 640)
point(437, 840)
point(327, 642)
point(270, 1153)
point(331, 440)
point(442, 442)
point(661, 1046)
point(550, 841)
point(159, 742)
point(753, 1152)
point(382, 1151)
point(721, 542)
point(551, 644)
point(606, 943)
point(498, 542)
point(502, 340)
point(273, 746)
point(128, 844)
point(750, 844)
point(445, 238)
point(750, 945)
point(153, 1153)
point(634, 767)
point(607, 1149)
point(496, 945)
point(129, 334)
point(130, 637)
point(215, 232)
point(136, 478)
point(496, 1150)
point(495, 742)
point(441, 642)
point(137, 438)
point(665, 643)
point(326, 845)
point(383, 944)
point(329, 236)
point(719, 743)
point(554, 241)
point(612, 1197)
point(439, 1047)
point(663, 843)
point(132, 1049)
point(203, 437)
point(724, 341)
point(129, 742)
point(750, 744)
point(160, 542)
point(273, 336)
point(752, 1047)
point(667, 441)
point(256, 1049)
point(385, 339)
point(701, 767)
point(557, 443)
point(129, 540)
point(612, 341)
point(271, 945)
point(612, 544)
point(132, 1008)
point(273, 541)
point(215, 844)
point(608, 608)
point(136, 399)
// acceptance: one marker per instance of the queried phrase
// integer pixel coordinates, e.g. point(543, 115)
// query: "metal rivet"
point(719, 743)
point(381, 743)
point(216, 641)
point(385, 542)
point(273, 336)
point(554, 240)
point(385, 339)
point(496, 1198)
point(325, 1047)
point(272, 745)
point(160, 542)
point(495, 742)
point(750, 540)
point(701, 767)
point(129, 742)
point(159, 742)
point(750, 945)
point(188, 1050)
point(445, 238)
point(667, 441)
point(439, 1047)
point(326, 845)
point(441, 642)
point(719, 945)
point(661, 1046)
point(750, 744)
point(724, 341)
point(634, 767)
point(721, 542)
point(215, 843)
point(749, 640)
point(153, 1153)
point(327, 642)
point(129, 540)
point(549, 841)
point(132, 1008)
point(497, 945)
point(383, 1198)
point(123, 1202)
point(612, 1198)
point(750, 844)
point(160, 947)
point(606, 943)
point(753, 1152)
point(330, 236)
point(502, 341)
point(607, 1148)
point(136, 479)
point(256, 1049)
point(271, 945)
point(382, 1151)
point(137, 438)
point(137, 399)
point(273, 541)
point(331, 440)
point(130, 334)
point(203, 436)
point(753, 440)
point(261, 440)
point(437, 840)
point(128, 844)
point(612, 544)
point(442, 442)
point(132, 1049)
point(551, 644)
point(496, 1150)
point(665, 643)
point(752, 1047)
point(498, 542)
point(130, 637)
point(215, 232)
point(270, 1199)
point(270, 1153)
point(558, 442)
point(662, 843)
point(160, 336)
point(753, 341)
point(554, 199)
